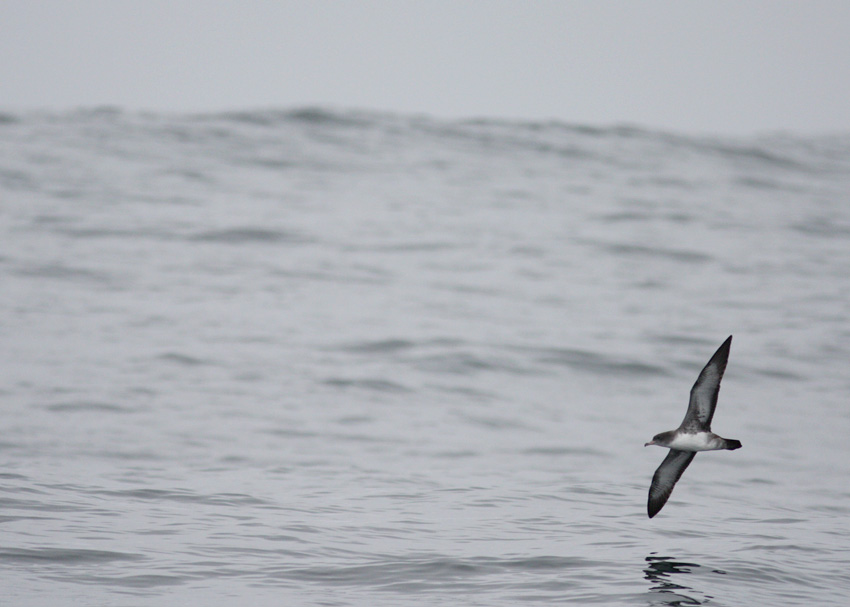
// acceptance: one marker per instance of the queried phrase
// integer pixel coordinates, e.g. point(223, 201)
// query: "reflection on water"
point(664, 591)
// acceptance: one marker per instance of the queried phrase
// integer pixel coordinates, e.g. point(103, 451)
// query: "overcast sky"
point(695, 66)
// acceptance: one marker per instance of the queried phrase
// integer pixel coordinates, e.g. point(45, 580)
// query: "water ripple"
point(64, 556)
point(249, 235)
point(415, 573)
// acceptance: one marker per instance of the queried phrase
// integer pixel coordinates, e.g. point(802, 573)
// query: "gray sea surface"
point(322, 357)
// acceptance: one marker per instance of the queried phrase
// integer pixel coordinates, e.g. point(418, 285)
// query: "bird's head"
point(662, 440)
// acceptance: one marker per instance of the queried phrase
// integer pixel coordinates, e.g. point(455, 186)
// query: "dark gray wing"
point(704, 393)
point(666, 477)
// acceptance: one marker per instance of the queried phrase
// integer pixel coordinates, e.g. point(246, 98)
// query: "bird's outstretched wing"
point(704, 393)
point(666, 477)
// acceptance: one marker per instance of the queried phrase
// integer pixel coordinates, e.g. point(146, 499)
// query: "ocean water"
point(318, 357)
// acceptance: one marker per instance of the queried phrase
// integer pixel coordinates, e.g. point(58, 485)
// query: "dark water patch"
point(627, 217)
point(183, 359)
point(263, 118)
point(83, 406)
point(185, 496)
point(52, 219)
point(631, 250)
point(16, 180)
point(254, 377)
point(764, 183)
point(355, 420)
point(60, 271)
point(12, 476)
point(69, 193)
point(270, 162)
point(407, 247)
point(593, 362)
point(822, 227)
point(760, 481)
point(466, 392)
point(137, 455)
point(190, 132)
point(372, 384)
point(585, 489)
point(681, 533)
point(783, 547)
point(762, 573)
point(467, 288)
point(107, 113)
point(562, 451)
point(680, 218)
point(291, 433)
point(548, 563)
point(13, 518)
point(460, 454)
point(530, 251)
point(413, 574)
point(779, 374)
point(688, 340)
point(469, 363)
point(649, 284)
point(495, 422)
point(281, 537)
point(192, 175)
point(310, 116)
point(381, 346)
point(505, 136)
point(63, 556)
point(752, 154)
point(141, 391)
point(669, 181)
point(138, 582)
point(325, 117)
point(20, 488)
point(780, 521)
point(352, 437)
point(396, 346)
point(343, 276)
point(36, 501)
point(122, 233)
point(249, 235)
point(315, 115)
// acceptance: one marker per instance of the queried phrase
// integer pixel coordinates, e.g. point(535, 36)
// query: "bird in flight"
point(694, 434)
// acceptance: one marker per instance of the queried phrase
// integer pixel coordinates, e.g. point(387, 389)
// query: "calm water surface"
point(341, 358)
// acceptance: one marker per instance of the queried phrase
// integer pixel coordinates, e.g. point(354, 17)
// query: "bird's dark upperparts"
point(693, 434)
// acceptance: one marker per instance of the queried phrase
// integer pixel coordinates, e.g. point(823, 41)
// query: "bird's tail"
point(732, 444)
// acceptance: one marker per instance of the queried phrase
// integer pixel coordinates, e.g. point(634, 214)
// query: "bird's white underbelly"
point(700, 441)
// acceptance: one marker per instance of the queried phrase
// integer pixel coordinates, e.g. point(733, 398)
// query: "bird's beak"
point(649, 443)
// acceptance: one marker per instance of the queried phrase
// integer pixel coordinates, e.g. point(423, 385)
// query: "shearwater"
point(694, 434)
